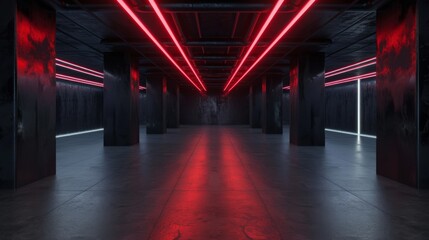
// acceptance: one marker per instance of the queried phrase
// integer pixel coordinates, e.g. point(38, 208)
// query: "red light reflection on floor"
point(214, 197)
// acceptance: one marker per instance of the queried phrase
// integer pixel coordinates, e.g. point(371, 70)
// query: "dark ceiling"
point(215, 35)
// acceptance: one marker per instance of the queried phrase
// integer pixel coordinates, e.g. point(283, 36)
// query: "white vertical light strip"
point(79, 133)
point(349, 133)
point(358, 109)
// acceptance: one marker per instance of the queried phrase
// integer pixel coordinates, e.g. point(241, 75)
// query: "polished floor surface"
point(215, 183)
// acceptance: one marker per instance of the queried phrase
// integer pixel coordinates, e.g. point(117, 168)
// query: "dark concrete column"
point(121, 99)
point(27, 92)
point(156, 93)
point(255, 102)
point(271, 107)
point(173, 104)
point(307, 99)
point(402, 92)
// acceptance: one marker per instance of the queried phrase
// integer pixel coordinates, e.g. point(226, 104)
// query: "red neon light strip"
point(84, 81)
point(345, 80)
point(351, 79)
point(255, 41)
point(80, 67)
point(78, 70)
point(173, 37)
point(350, 69)
point(78, 80)
point(276, 40)
point(350, 66)
point(154, 40)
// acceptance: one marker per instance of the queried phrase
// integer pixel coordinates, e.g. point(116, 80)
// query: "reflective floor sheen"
point(215, 183)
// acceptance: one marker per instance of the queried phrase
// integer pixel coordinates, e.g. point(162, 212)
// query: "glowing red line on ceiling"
point(154, 40)
point(350, 66)
point(255, 41)
point(176, 42)
point(82, 69)
point(78, 70)
point(286, 88)
point(78, 80)
point(350, 69)
point(351, 79)
point(276, 40)
point(142, 88)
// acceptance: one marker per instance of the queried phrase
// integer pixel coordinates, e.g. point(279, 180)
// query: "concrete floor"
point(215, 183)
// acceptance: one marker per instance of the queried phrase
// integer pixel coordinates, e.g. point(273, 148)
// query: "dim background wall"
point(142, 108)
point(196, 109)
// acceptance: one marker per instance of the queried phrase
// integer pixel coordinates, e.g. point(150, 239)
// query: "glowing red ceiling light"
point(351, 79)
point(78, 80)
point(350, 69)
point(255, 41)
point(276, 40)
point(78, 68)
point(330, 73)
point(286, 88)
point(142, 88)
point(154, 40)
point(173, 37)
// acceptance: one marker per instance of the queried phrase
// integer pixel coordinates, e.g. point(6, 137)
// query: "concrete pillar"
point(173, 104)
point(156, 93)
point(121, 99)
point(255, 101)
point(307, 99)
point(403, 92)
point(271, 110)
point(27, 92)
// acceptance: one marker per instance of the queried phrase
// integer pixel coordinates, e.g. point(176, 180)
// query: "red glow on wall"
point(81, 69)
point(349, 68)
point(345, 80)
point(78, 80)
point(143, 27)
point(78, 68)
point(255, 41)
point(351, 79)
point(176, 42)
point(276, 40)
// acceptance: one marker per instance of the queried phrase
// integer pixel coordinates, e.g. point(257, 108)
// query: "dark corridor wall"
point(213, 109)
point(79, 107)
point(142, 108)
point(341, 107)
point(368, 107)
